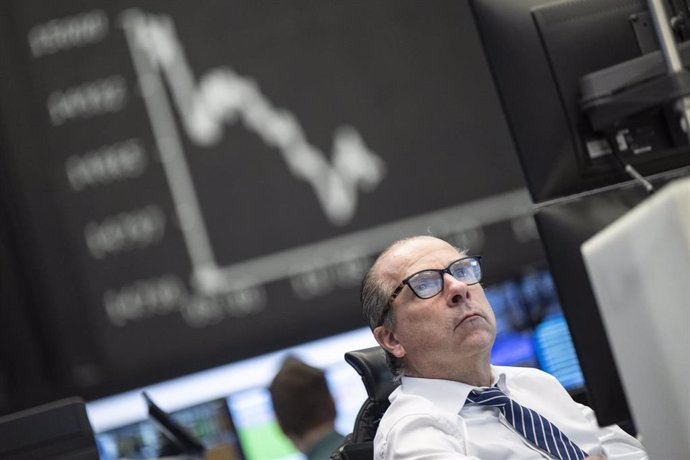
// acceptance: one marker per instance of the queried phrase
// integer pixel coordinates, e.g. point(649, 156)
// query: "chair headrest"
point(370, 364)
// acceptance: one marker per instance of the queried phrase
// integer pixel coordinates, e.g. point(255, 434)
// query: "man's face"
point(435, 336)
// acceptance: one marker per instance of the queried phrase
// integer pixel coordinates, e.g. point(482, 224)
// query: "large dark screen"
point(192, 183)
point(539, 51)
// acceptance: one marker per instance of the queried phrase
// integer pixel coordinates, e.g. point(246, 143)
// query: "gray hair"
point(374, 296)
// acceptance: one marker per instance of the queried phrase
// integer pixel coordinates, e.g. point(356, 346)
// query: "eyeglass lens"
point(428, 283)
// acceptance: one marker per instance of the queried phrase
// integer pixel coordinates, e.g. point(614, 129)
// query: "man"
point(426, 308)
point(305, 409)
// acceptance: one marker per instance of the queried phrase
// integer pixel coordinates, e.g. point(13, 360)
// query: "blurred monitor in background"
point(531, 330)
point(210, 423)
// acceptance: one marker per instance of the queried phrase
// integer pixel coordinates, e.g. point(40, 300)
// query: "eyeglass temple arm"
point(397, 291)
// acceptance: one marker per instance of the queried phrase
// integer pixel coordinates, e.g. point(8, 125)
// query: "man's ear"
point(387, 339)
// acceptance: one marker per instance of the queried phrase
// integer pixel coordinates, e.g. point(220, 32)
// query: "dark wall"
point(189, 184)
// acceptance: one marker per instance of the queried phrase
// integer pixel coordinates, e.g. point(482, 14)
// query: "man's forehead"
point(419, 250)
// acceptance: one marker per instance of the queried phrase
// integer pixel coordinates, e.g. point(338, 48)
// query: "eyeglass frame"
point(440, 271)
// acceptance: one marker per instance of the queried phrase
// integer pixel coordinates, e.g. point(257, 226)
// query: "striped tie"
point(535, 428)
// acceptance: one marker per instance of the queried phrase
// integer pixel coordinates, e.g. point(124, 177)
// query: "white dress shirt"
point(428, 419)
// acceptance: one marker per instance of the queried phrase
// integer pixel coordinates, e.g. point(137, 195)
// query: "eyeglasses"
point(428, 283)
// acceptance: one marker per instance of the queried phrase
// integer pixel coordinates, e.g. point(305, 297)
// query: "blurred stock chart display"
point(189, 184)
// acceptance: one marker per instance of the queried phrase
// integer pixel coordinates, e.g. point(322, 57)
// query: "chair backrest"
point(370, 364)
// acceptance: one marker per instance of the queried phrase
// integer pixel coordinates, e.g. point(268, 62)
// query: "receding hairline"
point(385, 254)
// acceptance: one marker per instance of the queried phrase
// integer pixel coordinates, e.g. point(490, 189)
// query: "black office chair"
point(370, 364)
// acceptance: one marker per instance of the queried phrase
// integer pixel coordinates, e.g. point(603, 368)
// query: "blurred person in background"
point(305, 409)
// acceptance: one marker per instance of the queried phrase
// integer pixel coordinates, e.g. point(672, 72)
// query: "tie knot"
point(492, 397)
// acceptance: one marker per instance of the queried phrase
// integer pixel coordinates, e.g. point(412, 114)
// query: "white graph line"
point(222, 97)
point(170, 146)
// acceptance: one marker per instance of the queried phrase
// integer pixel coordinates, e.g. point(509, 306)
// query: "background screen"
point(220, 177)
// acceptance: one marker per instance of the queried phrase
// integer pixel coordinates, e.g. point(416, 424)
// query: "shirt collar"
point(448, 393)
point(329, 439)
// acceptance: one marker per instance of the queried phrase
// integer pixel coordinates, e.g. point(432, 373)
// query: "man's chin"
point(473, 322)
point(478, 336)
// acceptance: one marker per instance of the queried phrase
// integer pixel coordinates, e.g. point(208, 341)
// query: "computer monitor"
point(214, 426)
point(564, 226)
point(58, 430)
point(205, 430)
point(539, 51)
point(176, 435)
point(531, 330)
point(639, 267)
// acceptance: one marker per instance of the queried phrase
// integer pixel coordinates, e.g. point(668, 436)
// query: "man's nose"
point(456, 290)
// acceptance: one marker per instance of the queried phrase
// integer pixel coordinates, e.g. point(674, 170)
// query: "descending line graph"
point(188, 114)
point(222, 182)
point(206, 107)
